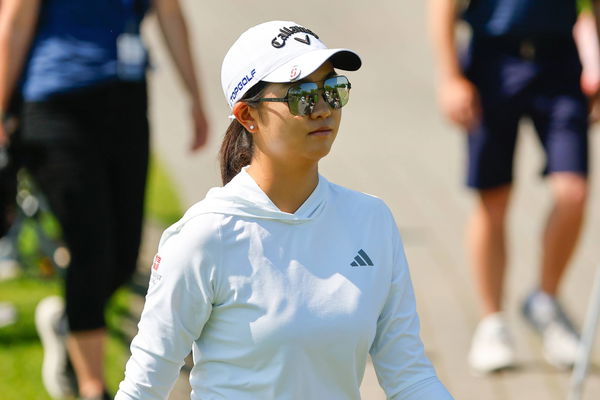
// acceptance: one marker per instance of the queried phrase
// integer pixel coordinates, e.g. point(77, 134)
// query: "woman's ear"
point(243, 113)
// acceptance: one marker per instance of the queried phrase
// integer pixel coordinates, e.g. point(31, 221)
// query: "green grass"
point(21, 354)
point(584, 5)
point(162, 202)
point(20, 350)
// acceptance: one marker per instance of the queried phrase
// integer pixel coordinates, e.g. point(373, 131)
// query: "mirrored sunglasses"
point(303, 97)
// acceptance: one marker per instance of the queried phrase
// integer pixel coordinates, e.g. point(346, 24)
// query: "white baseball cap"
point(277, 51)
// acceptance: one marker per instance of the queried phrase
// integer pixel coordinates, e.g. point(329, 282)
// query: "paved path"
point(393, 144)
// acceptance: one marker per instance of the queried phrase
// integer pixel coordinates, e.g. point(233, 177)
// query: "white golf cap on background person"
point(277, 51)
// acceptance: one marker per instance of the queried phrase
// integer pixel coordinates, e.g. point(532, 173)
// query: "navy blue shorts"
point(535, 79)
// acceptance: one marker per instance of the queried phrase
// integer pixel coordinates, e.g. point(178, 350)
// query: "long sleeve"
point(403, 370)
point(178, 304)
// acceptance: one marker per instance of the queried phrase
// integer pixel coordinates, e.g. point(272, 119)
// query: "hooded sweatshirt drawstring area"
point(277, 305)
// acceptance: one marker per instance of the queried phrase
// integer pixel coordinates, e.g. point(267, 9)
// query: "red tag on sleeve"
point(156, 262)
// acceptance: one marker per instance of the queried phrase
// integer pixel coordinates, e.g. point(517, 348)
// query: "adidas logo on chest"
point(362, 260)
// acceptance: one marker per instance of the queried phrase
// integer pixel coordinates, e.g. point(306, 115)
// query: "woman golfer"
point(281, 282)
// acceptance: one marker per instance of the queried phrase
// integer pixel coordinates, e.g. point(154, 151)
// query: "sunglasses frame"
point(318, 90)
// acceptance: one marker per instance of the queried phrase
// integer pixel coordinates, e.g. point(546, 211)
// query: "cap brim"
point(304, 65)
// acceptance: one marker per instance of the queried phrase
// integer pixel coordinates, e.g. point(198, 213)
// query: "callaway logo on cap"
point(277, 51)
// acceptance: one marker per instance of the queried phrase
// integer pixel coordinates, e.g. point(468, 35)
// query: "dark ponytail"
point(237, 147)
point(236, 151)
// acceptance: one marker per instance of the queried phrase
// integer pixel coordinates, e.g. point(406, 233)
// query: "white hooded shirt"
point(280, 306)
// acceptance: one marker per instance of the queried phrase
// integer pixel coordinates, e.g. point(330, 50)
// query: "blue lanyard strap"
point(134, 12)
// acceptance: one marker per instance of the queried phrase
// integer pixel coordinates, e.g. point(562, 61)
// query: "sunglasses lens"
point(302, 98)
point(337, 91)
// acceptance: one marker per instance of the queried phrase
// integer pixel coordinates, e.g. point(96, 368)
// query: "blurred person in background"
point(9, 164)
point(521, 61)
point(80, 67)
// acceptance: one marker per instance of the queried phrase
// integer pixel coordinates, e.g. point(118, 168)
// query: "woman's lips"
point(324, 131)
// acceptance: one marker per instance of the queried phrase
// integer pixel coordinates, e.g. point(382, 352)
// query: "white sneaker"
point(492, 347)
point(8, 314)
point(58, 378)
point(559, 336)
point(9, 266)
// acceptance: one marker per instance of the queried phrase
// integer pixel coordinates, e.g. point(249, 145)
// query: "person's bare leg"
point(562, 227)
point(487, 246)
point(86, 350)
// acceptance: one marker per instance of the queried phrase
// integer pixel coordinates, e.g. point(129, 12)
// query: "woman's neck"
point(288, 187)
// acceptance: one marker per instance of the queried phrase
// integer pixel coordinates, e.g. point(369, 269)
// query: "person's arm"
point(17, 26)
point(403, 370)
point(587, 37)
point(457, 96)
point(177, 306)
point(174, 29)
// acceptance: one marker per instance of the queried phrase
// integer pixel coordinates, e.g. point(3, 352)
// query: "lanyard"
point(134, 12)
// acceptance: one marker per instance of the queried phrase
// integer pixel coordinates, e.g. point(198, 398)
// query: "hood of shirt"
point(243, 197)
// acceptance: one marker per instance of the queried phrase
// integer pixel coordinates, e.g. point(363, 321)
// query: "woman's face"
point(286, 138)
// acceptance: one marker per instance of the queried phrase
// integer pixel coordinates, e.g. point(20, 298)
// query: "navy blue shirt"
point(75, 44)
point(521, 18)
